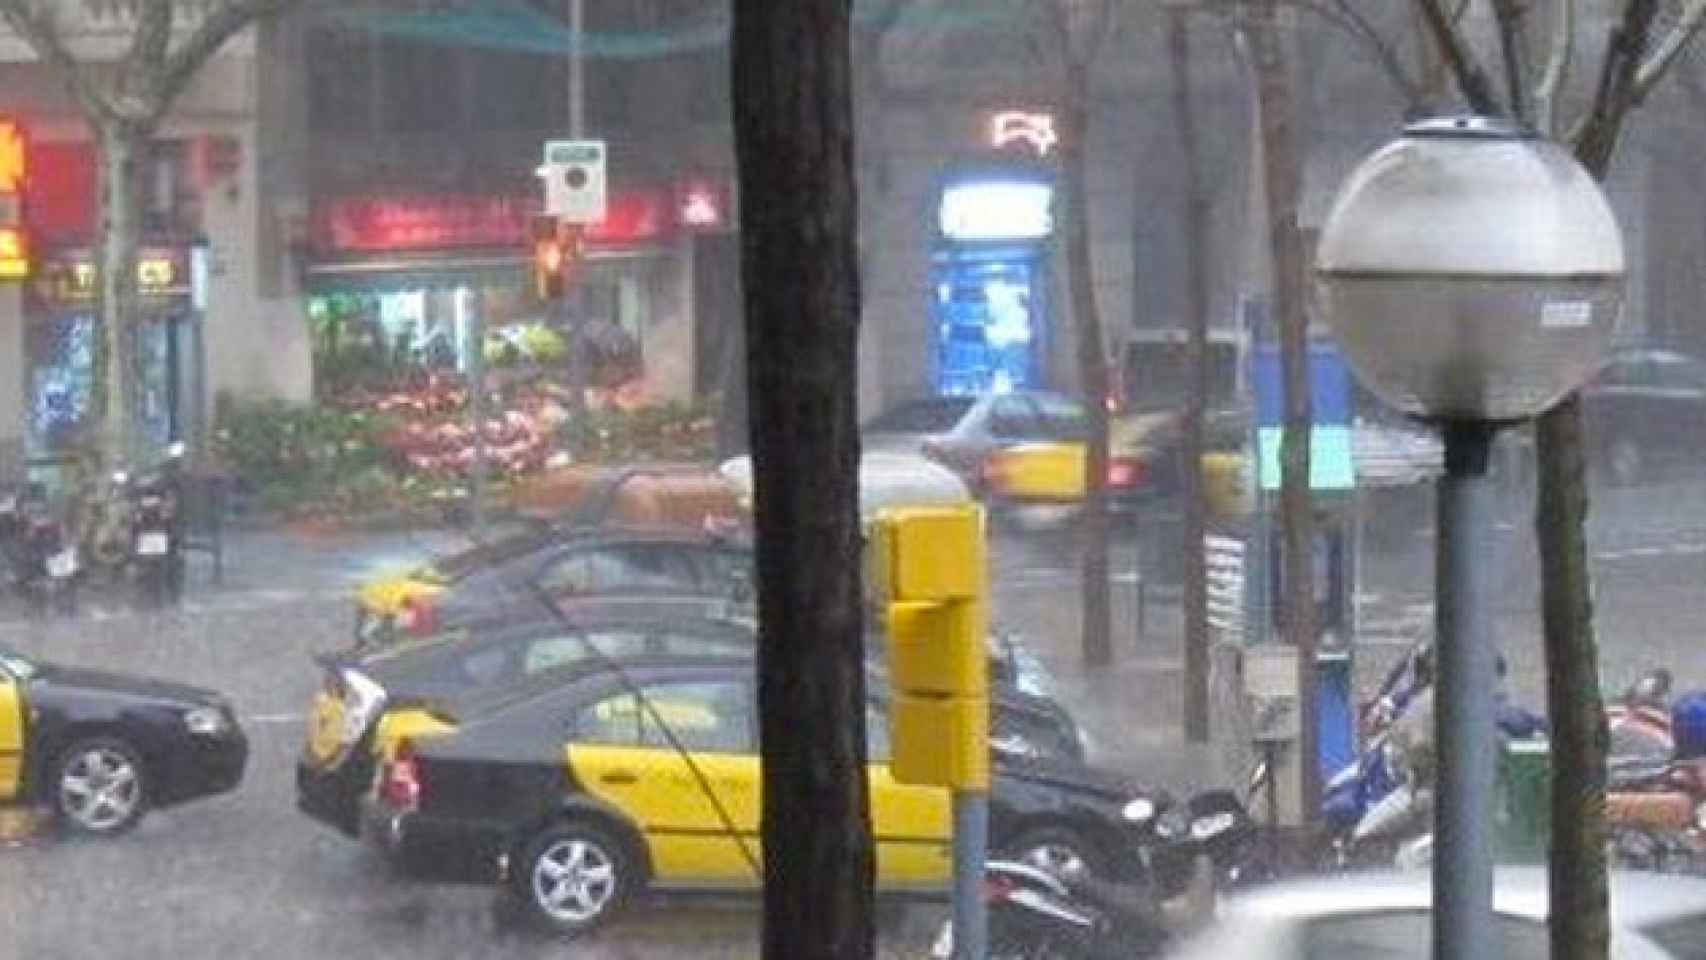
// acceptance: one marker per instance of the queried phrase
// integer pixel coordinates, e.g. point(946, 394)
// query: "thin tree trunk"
point(1580, 918)
point(1196, 360)
point(794, 140)
point(116, 400)
point(1282, 177)
point(1092, 362)
point(732, 426)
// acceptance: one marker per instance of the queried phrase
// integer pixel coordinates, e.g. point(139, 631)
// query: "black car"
point(101, 749)
point(574, 566)
point(369, 701)
point(587, 790)
point(1644, 412)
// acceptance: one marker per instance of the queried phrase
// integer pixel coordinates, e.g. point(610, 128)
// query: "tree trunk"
point(1196, 360)
point(1580, 898)
point(794, 140)
point(1282, 177)
point(1092, 361)
point(1580, 918)
point(115, 400)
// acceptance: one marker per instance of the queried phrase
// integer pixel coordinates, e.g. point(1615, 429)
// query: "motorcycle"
point(1656, 803)
point(134, 534)
point(1037, 915)
point(40, 565)
point(156, 534)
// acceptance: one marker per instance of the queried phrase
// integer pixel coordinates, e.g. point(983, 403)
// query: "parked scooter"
point(39, 564)
point(1034, 914)
point(1656, 806)
point(1376, 811)
point(135, 535)
point(156, 531)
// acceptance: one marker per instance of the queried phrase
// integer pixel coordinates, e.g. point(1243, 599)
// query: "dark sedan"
point(101, 749)
point(1646, 411)
point(575, 567)
point(586, 791)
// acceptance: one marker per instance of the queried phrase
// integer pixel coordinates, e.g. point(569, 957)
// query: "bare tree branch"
point(1650, 72)
point(1513, 44)
point(1471, 79)
point(1341, 14)
point(1596, 136)
point(1546, 92)
point(221, 24)
point(153, 37)
point(38, 30)
point(1079, 27)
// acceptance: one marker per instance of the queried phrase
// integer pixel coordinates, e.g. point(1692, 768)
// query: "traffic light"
point(929, 565)
point(14, 254)
point(550, 258)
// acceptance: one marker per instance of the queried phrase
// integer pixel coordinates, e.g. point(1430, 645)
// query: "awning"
point(399, 274)
point(394, 275)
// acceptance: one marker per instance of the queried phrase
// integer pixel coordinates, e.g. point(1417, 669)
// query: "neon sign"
point(997, 210)
point(1023, 128)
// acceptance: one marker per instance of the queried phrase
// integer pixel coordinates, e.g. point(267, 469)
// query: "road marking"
point(1670, 550)
point(278, 718)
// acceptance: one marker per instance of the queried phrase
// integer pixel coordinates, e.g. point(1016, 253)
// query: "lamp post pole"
point(577, 69)
point(1463, 705)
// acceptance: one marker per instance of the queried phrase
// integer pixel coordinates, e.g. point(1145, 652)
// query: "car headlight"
point(207, 721)
point(1212, 825)
point(1013, 745)
point(1141, 810)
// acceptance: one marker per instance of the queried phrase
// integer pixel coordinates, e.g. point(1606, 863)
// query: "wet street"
point(246, 875)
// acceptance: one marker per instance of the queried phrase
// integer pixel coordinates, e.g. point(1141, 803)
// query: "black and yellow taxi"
point(369, 701)
point(100, 749)
point(615, 778)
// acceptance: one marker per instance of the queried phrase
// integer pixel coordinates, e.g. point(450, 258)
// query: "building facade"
point(377, 172)
point(219, 309)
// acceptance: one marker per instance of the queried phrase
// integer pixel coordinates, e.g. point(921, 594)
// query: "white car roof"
point(885, 480)
point(1269, 923)
point(1638, 899)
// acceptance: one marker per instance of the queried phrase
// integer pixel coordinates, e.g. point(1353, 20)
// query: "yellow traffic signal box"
point(930, 566)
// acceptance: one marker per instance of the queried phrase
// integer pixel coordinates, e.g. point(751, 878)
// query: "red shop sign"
point(426, 222)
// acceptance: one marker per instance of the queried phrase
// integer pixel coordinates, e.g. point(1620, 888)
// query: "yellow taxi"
point(585, 788)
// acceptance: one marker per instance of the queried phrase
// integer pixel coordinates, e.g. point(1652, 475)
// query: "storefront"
point(395, 282)
point(990, 266)
point(62, 331)
point(990, 275)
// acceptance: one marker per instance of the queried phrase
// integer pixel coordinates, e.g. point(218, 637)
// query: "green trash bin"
point(1525, 801)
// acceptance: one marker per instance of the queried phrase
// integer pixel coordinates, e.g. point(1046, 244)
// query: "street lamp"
point(1473, 273)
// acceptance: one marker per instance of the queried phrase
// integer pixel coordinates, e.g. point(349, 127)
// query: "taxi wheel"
point(573, 877)
point(99, 787)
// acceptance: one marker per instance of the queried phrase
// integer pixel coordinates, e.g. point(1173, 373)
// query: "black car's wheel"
point(1060, 850)
point(573, 876)
point(100, 786)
